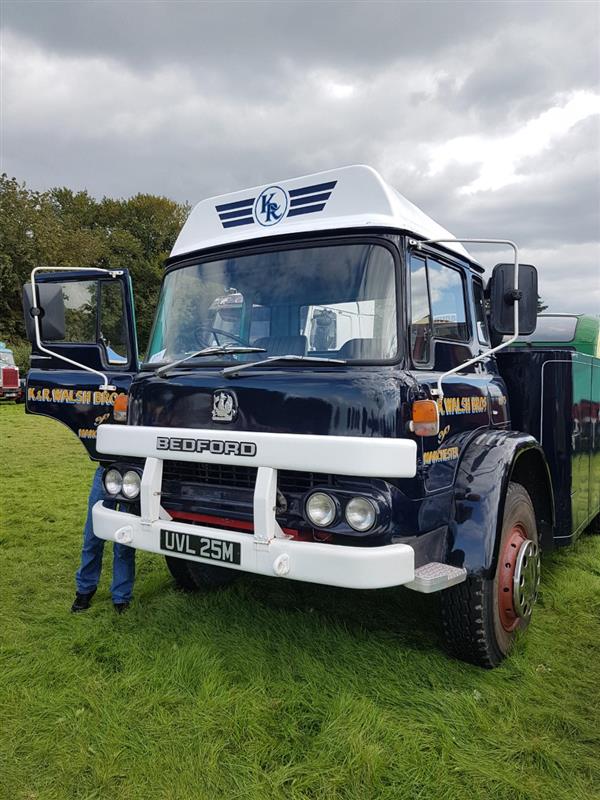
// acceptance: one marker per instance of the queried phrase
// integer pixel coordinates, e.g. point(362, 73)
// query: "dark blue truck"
point(330, 394)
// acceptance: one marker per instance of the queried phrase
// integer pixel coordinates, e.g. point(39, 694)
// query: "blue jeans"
point(88, 573)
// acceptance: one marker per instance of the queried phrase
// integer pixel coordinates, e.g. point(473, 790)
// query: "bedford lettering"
point(213, 446)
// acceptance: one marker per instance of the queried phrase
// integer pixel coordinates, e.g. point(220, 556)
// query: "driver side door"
point(88, 318)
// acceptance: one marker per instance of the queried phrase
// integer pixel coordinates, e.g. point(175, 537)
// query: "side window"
point(112, 325)
point(94, 313)
point(480, 317)
point(260, 323)
point(420, 314)
point(447, 302)
point(80, 301)
point(329, 327)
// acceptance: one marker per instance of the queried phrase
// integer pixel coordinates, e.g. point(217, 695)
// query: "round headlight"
point(131, 484)
point(113, 481)
point(360, 514)
point(320, 509)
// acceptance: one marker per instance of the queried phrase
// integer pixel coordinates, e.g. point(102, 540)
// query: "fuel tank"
point(358, 401)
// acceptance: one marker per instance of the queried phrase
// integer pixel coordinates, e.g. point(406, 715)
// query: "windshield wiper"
point(231, 372)
point(226, 349)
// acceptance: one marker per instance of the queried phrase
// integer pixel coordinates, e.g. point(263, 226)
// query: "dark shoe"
point(82, 601)
point(121, 607)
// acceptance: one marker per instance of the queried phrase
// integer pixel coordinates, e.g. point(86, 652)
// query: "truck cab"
point(319, 401)
point(10, 383)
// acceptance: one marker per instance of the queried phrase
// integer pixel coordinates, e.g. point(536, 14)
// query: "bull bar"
point(268, 551)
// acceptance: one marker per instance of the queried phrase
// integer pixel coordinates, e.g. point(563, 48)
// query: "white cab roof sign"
point(348, 197)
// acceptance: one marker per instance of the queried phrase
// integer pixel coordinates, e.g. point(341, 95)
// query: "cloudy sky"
point(485, 114)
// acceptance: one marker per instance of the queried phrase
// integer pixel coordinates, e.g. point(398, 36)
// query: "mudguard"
point(490, 462)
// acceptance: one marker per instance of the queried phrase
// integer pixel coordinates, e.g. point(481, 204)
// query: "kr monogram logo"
point(271, 206)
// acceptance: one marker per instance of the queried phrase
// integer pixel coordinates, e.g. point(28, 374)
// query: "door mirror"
point(502, 295)
point(51, 312)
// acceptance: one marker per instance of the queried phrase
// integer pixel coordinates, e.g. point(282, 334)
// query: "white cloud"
point(568, 274)
point(500, 157)
point(339, 91)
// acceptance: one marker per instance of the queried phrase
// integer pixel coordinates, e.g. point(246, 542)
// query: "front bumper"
point(334, 565)
point(268, 551)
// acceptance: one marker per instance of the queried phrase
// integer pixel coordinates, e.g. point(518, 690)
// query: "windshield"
point(552, 329)
point(333, 302)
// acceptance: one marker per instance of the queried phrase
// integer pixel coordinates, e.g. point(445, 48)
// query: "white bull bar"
point(269, 551)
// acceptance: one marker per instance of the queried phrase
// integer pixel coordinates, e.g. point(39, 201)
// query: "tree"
point(60, 227)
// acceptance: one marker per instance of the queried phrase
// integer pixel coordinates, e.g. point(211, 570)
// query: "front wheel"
point(594, 526)
point(192, 576)
point(481, 616)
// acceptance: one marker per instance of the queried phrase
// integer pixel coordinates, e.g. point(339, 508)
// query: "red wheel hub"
point(506, 574)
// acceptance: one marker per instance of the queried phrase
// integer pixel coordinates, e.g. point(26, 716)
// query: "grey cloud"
point(195, 99)
point(522, 68)
point(495, 61)
point(209, 32)
point(568, 275)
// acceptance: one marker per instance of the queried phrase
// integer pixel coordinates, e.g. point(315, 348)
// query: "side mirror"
point(52, 316)
point(501, 292)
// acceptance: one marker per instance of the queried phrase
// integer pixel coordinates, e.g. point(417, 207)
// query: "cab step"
point(434, 577)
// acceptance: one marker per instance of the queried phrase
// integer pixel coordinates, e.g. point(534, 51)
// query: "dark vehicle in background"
point(321, 401)
point(11, 386)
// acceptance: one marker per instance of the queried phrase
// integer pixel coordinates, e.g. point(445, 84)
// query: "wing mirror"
point(502, 295)
point(51, 312)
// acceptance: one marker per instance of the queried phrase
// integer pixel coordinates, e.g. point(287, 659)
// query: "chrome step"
point(434, 577)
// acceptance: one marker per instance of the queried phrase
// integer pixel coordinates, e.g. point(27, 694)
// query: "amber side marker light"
point(120, 408)
point(425, 418)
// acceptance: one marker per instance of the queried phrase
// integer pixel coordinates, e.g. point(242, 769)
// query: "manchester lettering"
point(445, 454)
point(216, 447)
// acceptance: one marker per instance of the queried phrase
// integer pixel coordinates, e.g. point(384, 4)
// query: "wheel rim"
point(519, 578)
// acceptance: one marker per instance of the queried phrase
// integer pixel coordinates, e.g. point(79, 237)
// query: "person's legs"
point(88, 574)
point(123, 574)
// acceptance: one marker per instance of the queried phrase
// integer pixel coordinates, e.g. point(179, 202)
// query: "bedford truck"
point(331, 393)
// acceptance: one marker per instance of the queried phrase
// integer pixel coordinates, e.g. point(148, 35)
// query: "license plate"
point(201, 546)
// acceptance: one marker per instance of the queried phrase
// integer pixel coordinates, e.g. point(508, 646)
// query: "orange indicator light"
point(425, 418)
point(120, 408)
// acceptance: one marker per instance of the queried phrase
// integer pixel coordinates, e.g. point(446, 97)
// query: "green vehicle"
point(554, 387)
point(577, 332)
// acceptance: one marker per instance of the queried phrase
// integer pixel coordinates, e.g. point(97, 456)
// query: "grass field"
point(269, 689)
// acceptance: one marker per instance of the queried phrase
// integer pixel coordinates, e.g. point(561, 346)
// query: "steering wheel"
point(203, 332)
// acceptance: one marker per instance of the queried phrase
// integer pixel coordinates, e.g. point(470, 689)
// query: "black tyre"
point(481, 617)
point(192, 576)
point(594, 526)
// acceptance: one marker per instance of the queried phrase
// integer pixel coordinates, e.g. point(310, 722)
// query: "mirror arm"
point(515, 295)
point(36, 313)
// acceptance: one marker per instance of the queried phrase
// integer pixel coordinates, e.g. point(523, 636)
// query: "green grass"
point(269, 689)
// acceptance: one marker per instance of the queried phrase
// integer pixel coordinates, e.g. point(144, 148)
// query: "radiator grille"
point(10, 378)
point(240, 477)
